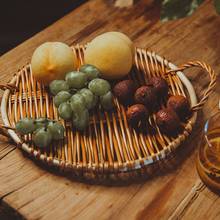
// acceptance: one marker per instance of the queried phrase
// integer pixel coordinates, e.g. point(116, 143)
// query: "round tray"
point(109, 145)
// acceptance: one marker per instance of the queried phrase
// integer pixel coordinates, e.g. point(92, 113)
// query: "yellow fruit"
point(52, 60)
point(125, 38)
point(110, 54)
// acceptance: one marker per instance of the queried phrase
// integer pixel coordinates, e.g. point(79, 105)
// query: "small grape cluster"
point(44, 130)
point(80, 92)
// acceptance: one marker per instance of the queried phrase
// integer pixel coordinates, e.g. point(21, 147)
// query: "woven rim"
point(146, 62)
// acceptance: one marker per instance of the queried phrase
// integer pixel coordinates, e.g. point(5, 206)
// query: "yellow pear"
point(125, 38)
point(110, 54)
point(52, 60)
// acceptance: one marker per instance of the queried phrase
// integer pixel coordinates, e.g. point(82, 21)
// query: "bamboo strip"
point(109, 144)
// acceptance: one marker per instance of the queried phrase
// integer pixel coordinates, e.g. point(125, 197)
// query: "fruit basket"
point(109, 144)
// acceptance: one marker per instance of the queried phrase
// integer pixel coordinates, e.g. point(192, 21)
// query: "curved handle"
point(4, 131)
point(4, 128)
point(211, 85)
point(8, 86)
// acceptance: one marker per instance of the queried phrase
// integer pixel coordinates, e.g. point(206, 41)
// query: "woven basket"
point(109, 145)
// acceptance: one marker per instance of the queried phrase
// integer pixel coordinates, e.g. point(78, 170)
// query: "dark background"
point(21, 19)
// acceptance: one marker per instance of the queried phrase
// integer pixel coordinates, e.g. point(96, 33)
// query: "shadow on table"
point(21, 19)
point(171, 164)
point(8, 213)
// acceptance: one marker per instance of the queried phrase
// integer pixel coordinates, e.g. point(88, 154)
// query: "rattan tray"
point(109, 145)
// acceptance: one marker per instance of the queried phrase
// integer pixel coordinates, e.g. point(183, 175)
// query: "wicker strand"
point(9, 86)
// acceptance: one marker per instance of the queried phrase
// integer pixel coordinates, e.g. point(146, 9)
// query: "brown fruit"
point(160, 85)
point(124, 91)
point(146, 95)
point(168, 121)
point(136, 114)
point(180, 105)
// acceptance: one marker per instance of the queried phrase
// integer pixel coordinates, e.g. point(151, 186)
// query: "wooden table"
point(35, 193)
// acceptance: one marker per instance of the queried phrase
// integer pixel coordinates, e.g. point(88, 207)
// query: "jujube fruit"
point(180, 105)
point(147, 96)
point(136, 114)
point(168, 121)
point(124, 91)
point(160, 85)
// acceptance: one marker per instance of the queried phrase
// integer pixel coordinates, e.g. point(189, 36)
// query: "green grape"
point(42, 137)
point(107, 101)
point(95, 101)
point(56, 129)
point(77, 102)
point(73, 91)
point(76, 80)
point(81, 120)
point(41, 120)
point(40, 123)
point(91, 71)
point(61, 97)
point(25, 126)
point(90, 98)
point(99, 86)
point(57, 86)
point(65, 111)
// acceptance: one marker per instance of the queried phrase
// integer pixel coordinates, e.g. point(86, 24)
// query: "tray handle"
point(9, 86)
point(4, 128)
point(211, 85)
point(4, 131)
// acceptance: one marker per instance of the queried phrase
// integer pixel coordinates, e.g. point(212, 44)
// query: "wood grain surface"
point(175, 192)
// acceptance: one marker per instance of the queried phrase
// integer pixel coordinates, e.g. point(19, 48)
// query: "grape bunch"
point(44, 130)
point(80, 92)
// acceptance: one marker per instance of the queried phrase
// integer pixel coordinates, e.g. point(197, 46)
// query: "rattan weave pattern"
point(109, 145)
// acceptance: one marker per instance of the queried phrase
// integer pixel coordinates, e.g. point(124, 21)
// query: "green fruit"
point(107, 101)
point(76, 80)
point(81, 120)
point(99, 86)
point(25, 126)
point(77, 102)
point(41, 122)
point(57, 86)
point(65, 111)
point(57, 130)
point(91, 71)
point(39, 125)
point(61, 97)
point(89, 97)
point(42, 137)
